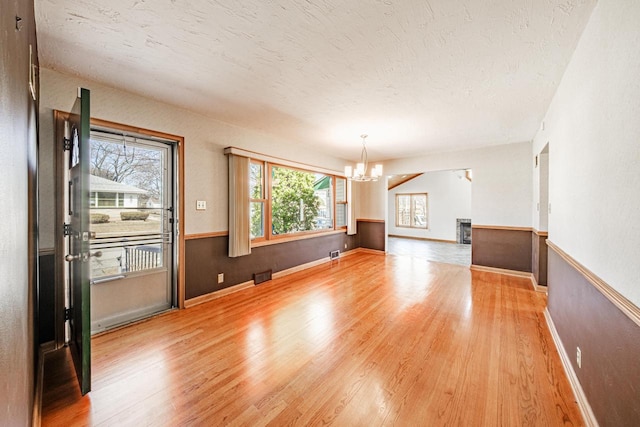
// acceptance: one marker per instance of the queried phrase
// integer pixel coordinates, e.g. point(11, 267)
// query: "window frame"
point(412, 210)
point(268, 236)
point(266, 211)
point(340, 202)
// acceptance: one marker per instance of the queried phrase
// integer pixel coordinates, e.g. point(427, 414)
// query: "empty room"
point(320, 212)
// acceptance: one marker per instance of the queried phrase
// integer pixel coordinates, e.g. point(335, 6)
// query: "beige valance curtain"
point(239, 221)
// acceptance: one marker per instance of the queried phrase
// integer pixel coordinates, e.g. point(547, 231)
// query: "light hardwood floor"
point(364, 341)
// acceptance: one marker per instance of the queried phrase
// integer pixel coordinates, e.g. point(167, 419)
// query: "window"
point(287, 200)
point(257, 199)
point(99, 199)
point(341, 202)
point(411, 210)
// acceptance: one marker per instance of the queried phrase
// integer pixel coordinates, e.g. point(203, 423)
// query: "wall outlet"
point(345, 246)
point(579, 357)
point(220, 277)
point(201, 205)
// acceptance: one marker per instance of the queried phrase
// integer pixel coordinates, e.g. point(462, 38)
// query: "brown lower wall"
point(206, 257)
point(539, 258)
point(371, 234)
point(608, 339)
point(502, 248)
point(46, 297)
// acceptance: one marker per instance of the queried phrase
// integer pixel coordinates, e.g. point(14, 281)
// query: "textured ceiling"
point(417, 76)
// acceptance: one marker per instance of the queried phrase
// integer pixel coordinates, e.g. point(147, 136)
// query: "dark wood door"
point(77, 136)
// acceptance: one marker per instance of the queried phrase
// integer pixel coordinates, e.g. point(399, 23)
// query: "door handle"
point(71, 258)
point(77, 257)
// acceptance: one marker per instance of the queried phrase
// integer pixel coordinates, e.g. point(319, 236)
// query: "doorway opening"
point(429, 216)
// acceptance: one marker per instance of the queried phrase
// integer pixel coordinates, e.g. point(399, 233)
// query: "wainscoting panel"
point(501, 247)
point(539, 257)
point(371, 234)
point(608, 338)
point(206, 257)
point(46, 297)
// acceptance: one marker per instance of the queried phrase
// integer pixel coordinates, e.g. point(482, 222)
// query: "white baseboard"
point(501, 271)
point(536, 287)
point(516, 273)
point(217, 294)
point(587, 413)
point(226, 291)
point(44, 348)
point(107, 323)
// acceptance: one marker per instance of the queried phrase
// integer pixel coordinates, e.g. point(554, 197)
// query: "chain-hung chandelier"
point(362, 168)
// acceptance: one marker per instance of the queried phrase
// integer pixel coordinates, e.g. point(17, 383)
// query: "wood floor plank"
point(365, 341)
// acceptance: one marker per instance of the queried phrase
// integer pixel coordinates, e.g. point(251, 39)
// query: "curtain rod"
point(284, 162)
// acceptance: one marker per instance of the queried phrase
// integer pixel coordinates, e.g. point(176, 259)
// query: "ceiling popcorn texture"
point(417, 76)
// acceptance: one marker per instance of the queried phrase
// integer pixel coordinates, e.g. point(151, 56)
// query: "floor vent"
point(261, 277)
point(334, 255)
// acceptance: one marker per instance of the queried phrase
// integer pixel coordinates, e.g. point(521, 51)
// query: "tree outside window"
point(286, 200)
point(294, 205)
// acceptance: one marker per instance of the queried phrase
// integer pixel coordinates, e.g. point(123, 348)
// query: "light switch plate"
point(201, 205)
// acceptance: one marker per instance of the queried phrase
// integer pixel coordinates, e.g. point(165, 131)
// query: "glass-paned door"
point(131, 203)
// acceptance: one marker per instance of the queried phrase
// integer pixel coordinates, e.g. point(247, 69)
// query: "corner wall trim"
point(369, 251)
point(626, 306)
point(301, 267)
point(423, 238)
point(525, 274)
point(43, 350)
point(587, 413)
point(206, 235)
point(369, 220)
point(217, 294)
point(501, 227)
point(501, 271)
point(536, 287)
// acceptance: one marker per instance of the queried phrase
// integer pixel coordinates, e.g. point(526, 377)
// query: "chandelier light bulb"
point(362, 167)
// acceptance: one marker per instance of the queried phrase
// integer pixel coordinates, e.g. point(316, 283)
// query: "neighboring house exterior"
point(110, 194)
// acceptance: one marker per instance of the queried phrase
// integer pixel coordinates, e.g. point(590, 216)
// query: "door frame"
point(59, 294)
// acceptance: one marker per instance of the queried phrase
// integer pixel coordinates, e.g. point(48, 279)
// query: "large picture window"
point(286, 201)
point(412, 210)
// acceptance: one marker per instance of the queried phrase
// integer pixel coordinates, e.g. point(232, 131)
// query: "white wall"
point(368, 201)
point(449, 198)
point(205, 139)
point(593, 130)
point(502, 186)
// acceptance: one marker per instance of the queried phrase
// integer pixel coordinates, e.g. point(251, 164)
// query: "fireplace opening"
point(463, 226)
